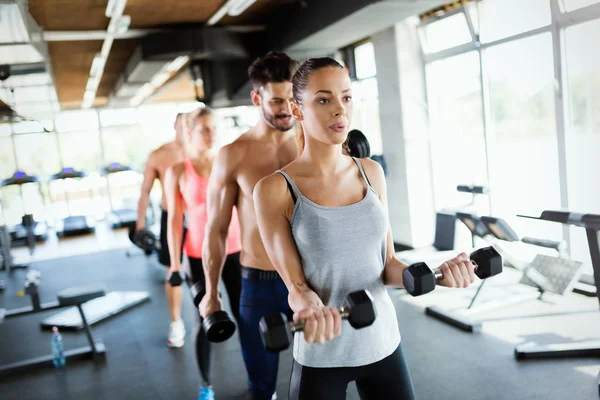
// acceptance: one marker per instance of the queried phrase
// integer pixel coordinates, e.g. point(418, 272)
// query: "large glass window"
point(446, 33)
point(364, 57)
point(7, 158)
point(81, 151)
point(366, 112)
point(524, 174)
point(571, 5)
point(583, 138)
point(503, 18)
point(366, 97)
point(10, 202)
point(37, 154)
point(456, 124)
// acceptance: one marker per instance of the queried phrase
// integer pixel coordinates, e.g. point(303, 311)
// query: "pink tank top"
point(194, 197)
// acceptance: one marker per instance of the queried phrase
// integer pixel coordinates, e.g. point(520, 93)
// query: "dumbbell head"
point(275, 332)
point(488, 260)
point(144, 239)
point(175, 279)
point(361, 308)
point(218, 326)
point(418, 279)
point(197, 290)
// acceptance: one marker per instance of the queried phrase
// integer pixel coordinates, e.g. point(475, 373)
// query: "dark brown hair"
point(273, 67)
point(299, 83)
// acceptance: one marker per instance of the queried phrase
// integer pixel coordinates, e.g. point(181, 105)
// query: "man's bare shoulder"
point(237, 149)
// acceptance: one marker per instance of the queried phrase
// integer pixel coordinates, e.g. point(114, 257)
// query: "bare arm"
point(220, 199)
point(150, 174)
point(175, 214)
point(272, 203)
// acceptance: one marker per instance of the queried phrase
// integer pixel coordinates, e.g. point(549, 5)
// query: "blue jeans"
point(260, 298)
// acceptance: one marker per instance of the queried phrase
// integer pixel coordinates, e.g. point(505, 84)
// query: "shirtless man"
point(267, 147)
point(158, 162)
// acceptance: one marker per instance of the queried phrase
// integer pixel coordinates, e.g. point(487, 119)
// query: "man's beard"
point(276, 122)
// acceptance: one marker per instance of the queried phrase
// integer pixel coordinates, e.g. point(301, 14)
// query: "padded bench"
point(73, 296)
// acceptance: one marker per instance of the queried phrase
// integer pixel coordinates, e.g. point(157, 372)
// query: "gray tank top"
point(342, 250)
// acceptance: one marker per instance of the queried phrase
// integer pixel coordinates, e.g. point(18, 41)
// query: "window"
point(7, 158)
point(364, 57)
point(37, 154)
point(583, 138)
point(446, 33)
point(524, 174)
point(456, 125)
point(503, 18)
point(571, 5)
point(366, 112)
point(81, 151)
point(124, 116)
point(76, 121)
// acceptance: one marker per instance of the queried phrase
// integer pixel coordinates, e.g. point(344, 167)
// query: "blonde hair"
point(189, 123)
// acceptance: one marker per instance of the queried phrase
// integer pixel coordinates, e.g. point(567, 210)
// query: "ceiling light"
point(108, 41)
point(239, 7)
point(177, 63)
point(119, 25)
point(97, 65)
point(218, 15)
point(92, 83)
point(89, 95)
point(160, 78)
point(115, 8)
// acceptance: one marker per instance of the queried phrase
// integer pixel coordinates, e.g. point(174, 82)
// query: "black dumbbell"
point(276, 331)
point(420, 279)
point(144, 239)
point(218, 326)
point(175, 278)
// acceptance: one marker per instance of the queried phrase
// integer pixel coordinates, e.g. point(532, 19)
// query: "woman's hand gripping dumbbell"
point(420, 279)
point(277, 332)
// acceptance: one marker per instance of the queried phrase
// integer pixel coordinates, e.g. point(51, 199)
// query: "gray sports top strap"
point(290, 183)
point(362, 171)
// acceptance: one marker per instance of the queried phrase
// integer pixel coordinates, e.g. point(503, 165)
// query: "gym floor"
point(445, 363)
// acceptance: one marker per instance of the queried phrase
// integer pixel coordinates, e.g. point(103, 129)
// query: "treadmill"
point(19, 233)
point(72, 225)
point(124, 217)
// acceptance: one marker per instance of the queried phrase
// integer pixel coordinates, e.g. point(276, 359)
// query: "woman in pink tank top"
point(185, 187)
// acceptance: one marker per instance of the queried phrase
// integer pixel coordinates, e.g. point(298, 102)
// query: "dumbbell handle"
point(439, 275)
point(299, 327)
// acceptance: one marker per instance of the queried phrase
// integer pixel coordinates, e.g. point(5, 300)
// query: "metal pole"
point(560, 110)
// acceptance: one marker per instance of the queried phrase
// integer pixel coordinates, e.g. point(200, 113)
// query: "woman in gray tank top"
point(324, 222)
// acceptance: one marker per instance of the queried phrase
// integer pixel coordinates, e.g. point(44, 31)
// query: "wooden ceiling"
point(83, 15)
point(71, 60)
point(71, 63)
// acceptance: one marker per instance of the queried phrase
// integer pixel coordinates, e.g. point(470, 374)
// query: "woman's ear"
point(296, 111)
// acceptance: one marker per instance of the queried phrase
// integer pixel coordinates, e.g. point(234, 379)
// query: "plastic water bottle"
point(58, 352)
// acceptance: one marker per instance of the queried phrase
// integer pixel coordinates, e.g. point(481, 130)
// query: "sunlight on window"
point(446, 33)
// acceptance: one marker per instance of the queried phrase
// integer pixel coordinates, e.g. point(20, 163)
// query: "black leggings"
point(232, 278)
point(388, 379)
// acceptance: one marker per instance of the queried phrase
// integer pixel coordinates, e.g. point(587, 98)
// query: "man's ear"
point(255, 96)
point(296, 111)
